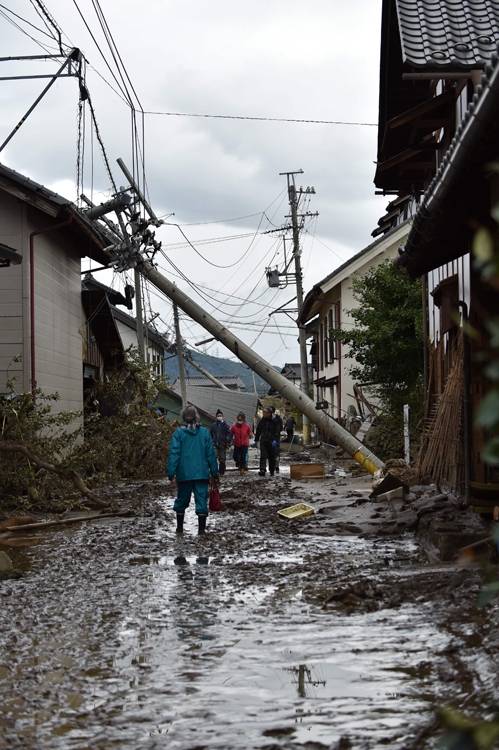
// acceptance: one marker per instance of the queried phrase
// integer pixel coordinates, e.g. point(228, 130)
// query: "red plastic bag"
point(215, 502)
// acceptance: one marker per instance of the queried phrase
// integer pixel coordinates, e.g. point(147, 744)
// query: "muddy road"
point(263, 633)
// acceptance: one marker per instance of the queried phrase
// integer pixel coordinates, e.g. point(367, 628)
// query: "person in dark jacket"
point(222, 437)
point(191, 459)
point(278, 419)
point(289, 427)
point(267, 433)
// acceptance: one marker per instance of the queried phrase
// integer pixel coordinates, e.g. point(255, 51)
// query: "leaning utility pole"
point(137, 250)
point(293, 196)
point(290, 392)
point(181, 371)
point(204, 372)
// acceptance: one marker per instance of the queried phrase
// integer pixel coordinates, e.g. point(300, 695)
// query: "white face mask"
point(239, 421)
point(220, 419)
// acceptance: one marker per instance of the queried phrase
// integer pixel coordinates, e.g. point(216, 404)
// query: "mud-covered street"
point(264, 633)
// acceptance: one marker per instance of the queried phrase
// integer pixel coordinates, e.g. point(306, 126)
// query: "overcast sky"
point(279, 59)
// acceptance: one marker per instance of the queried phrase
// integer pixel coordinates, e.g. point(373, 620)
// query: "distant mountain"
point(218, 366)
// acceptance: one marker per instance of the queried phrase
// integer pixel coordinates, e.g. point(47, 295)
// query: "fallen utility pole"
point(306, 406)
point(180, 359)
point(204, 372)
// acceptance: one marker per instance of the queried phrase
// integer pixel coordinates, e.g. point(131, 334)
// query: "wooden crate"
point(307, 471)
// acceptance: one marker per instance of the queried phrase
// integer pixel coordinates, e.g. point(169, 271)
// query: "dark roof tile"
point(448, 33)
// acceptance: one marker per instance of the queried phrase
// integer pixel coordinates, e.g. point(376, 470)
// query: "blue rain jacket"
point(191, 456)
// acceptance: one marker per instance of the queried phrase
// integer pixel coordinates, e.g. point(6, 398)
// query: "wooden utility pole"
point(293, 204)
point(138, 314)
point(181, 371)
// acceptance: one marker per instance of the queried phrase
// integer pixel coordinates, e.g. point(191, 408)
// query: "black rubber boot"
point(221, 469)
point(180, 523)
point(201, 523)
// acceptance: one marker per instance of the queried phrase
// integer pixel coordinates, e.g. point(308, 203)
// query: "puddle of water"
point(207, 642)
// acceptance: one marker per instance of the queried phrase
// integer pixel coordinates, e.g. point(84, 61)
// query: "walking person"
point(289, 427)
point(242, 433)
point(222, 437)
point(192, 460)
point(267, 433)
point(278, 419)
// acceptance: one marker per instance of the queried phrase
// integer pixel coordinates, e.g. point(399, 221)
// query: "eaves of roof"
point(90, 242)
point(441, 228)
point(88, 283)
point(131, 322)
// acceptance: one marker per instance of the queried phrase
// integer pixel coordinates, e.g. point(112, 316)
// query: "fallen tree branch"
point(70, 474)
point(64, 521)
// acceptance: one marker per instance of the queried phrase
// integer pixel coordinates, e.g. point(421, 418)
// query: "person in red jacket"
point(242, 434)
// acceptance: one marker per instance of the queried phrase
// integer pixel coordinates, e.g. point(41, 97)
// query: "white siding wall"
point(58, 347)
point(58, 360)
point(338, 289)
point(11, 295)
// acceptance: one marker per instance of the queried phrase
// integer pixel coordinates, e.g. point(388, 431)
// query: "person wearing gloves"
point(192, 460)
point(242, 433)
point(267, 433)
point(222, 437)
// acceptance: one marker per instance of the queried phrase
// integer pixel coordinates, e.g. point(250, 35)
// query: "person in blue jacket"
point(191, 460)
point(222, 437)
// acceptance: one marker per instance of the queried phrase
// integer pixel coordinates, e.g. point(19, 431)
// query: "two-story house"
point(438, 135)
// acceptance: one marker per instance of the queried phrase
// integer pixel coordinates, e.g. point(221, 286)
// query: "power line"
point(262, 119)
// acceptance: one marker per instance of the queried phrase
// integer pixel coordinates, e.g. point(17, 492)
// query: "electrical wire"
point(44, 46)
point(25, 20)
point(216, 265)
point(263, 119)
point(48, 21)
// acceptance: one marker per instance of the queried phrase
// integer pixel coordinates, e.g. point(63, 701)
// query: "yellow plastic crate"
point(297, 511)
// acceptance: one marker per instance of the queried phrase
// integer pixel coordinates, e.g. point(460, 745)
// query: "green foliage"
point(386, 343)
point(127, 439)
point(386, 438)
point(467, 734)
point(387, 338)
point(486, 251)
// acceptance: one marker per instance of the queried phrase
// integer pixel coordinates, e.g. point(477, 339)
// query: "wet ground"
point(264, 633)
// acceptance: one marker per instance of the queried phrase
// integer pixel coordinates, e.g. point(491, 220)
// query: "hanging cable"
point(48, 21)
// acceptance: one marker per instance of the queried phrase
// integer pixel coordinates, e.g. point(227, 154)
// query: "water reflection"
point(193, 599)
point(304, 680)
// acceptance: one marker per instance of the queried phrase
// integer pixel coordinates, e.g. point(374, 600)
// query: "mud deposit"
point(264, 633)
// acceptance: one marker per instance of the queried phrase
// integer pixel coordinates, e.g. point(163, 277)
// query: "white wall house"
point(40, 299)
point(326, 307)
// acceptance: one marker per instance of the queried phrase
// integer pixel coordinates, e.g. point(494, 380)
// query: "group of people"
point(223, 436)
point(196, 455)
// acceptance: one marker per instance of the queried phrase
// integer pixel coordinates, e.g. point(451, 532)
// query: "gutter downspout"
point(32, 294)
point(466, 404)
point(339, 364)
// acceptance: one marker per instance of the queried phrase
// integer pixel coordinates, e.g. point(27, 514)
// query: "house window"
point(321, 346)
point(333, 325)
point(325, 333)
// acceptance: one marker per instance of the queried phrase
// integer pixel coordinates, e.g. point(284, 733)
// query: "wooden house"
point(438, 134)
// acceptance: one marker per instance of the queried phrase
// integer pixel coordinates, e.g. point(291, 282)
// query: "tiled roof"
point(202, 380)
point(230, 402)
point(448, 33)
